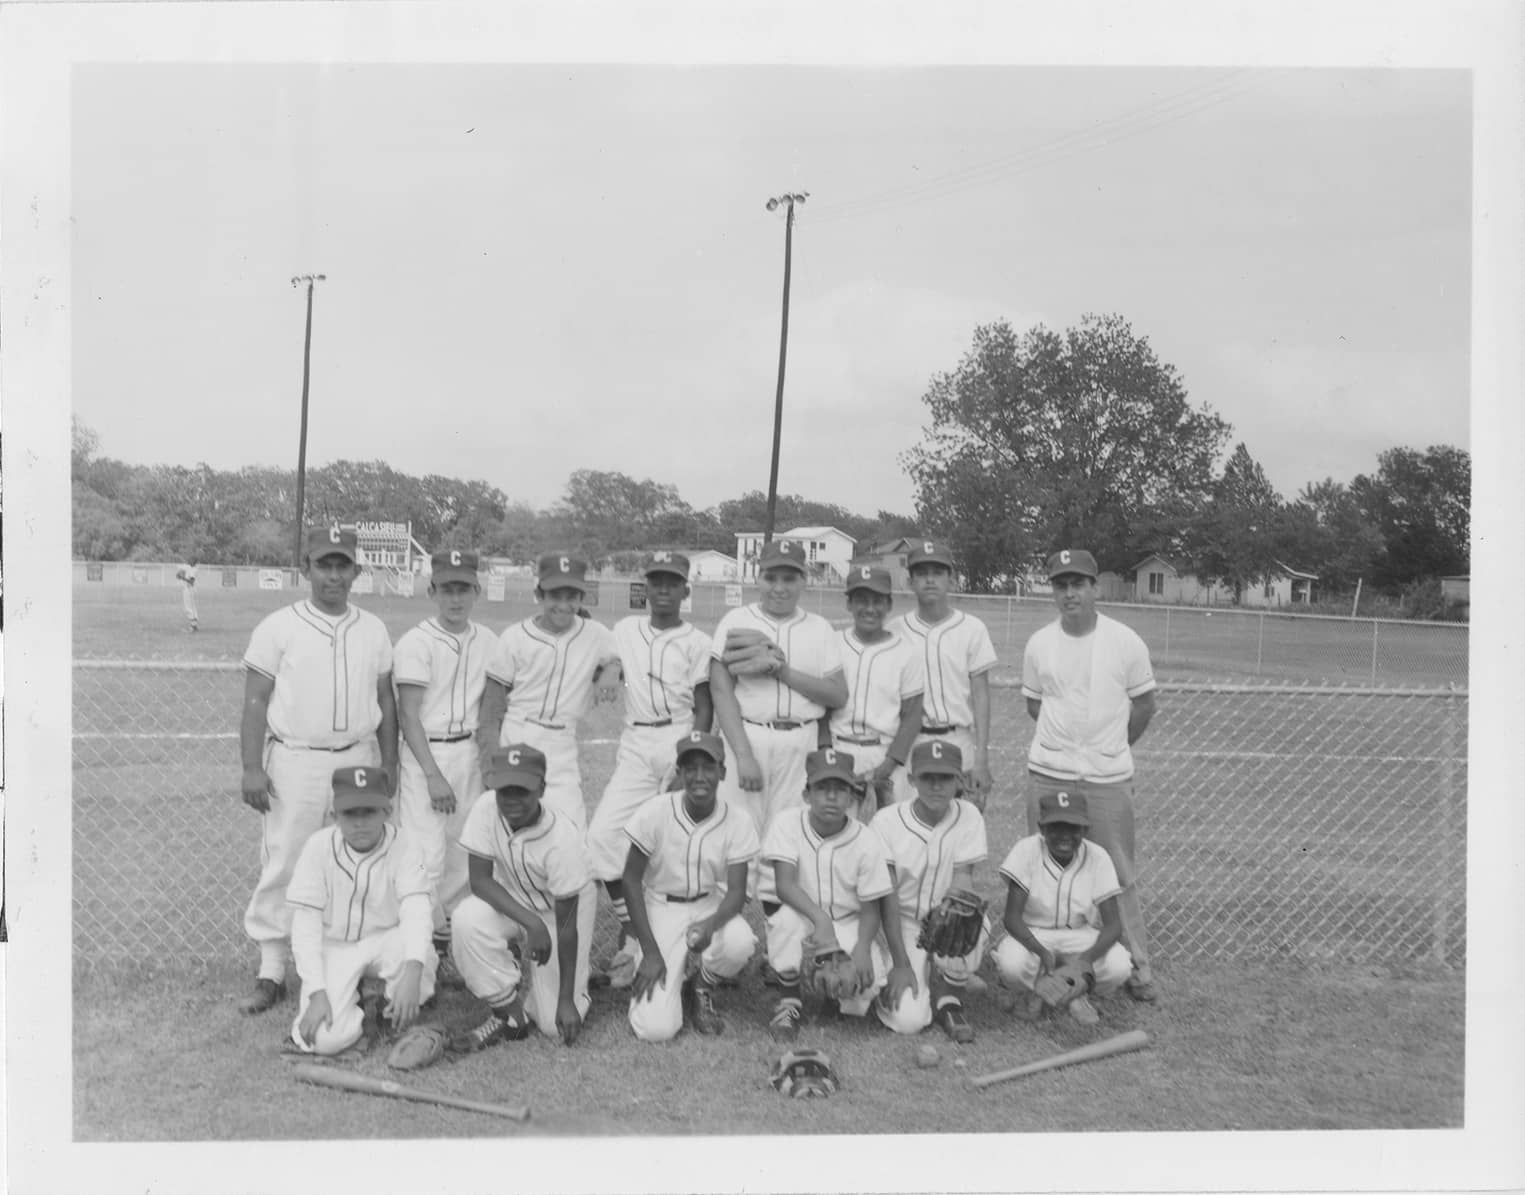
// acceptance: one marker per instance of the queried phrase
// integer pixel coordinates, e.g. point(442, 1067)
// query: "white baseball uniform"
point(661, 669)
point(780, 723)
point(1063, 910)
point(355, 915)
point(188, 592)
point(452, 671)
point(880, 677)
point(323, 715)
point(952, 652)
point(550, 679)
point(685, 881)
point(923, 859)
point(538, 865)
point(840, 875)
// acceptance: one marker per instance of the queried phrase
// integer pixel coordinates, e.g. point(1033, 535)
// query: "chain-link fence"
point(1307, 821)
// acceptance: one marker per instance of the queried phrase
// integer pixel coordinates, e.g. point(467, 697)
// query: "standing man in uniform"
point(957, 656)
point(1090, 687)
point(878, 722)
point(441, 672)
point(317, 696)
point(666, 667)
point(187, 578)
point(541, 677)
point(769, 719)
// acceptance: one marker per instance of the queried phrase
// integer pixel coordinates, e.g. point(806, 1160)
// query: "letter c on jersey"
point(359, 777)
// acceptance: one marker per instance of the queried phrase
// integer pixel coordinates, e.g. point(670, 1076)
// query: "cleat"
point(622, 967)
point(955, 1024)
point(785, 1025)
point(702, 1014)
point(489, 1033)
point(1141, 990)
point(1083, 1011)
point(266, 995)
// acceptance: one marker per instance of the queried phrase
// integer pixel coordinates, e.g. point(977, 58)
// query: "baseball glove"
point(1071, 977)
point(829, 971)
point(750, 653)
point(421, 1046)
point(952, 928)
point(804, 1074)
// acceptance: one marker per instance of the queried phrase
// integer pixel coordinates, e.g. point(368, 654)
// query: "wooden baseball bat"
point(1123, 1043)
point(350, 1081)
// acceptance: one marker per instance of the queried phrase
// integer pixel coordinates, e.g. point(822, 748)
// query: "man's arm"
point(1034, 704)
point(410, 704)
point(485, 887)
point(386, 733)
point(979, 771)
point(1140, 711)
point(568, 1019)
point(1111, 931)
point(786, 877)
point(652, 972)
point(829, 690)
point(1016, 902)
point(899, 750)
point(704, 707)
point(728, 715)
point(258, 689)
point(490, 720)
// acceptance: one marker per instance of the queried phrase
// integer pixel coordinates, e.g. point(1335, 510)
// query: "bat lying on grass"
point(344, 1080)
point(1123, 1043)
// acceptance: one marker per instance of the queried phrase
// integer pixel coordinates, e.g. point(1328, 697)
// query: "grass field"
point(1278, 831)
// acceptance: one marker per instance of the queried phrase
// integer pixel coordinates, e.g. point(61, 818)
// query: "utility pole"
point(788, 200)
point(311, 280)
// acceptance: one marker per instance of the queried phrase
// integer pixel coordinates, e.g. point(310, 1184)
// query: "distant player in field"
point(317, 696)
point(541, 679)
point(521, 938)
point(360, 898)
point(666, 667)
point(441, 671)
point(186, 575)
point(686, 880)
point(957, 657)
point(880, 718)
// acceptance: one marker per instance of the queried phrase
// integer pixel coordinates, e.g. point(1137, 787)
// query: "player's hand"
point(699, 935)
point(649, 975)
point(568, 1023)
point(776, 659)
point(318, 1015)
point(539, 943)
point(749, 774)
point(257, 789)
point(901, 979)
point(403, 1009)
point(441, 795)
point(983, 781)
point(863, 964)
point(1047, 960)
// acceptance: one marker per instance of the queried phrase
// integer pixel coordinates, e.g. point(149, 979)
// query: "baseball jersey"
point(550, 676)
point(880, 676)
point(358, 894)
point(325, 670)
point(539, 864)
point(809, 642)
point(923, 856)
point(452, 670)
point(951, 651)
point(1061, 897)
point(188, 577)
point(661, 668)
point(689, 858)
point(840, 874)
point(1085, 683)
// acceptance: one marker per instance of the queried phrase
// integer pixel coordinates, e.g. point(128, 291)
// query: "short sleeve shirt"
point(358, 894)
point(952, 651)
point(662, 667)
point(689, 858)
point(451, 668)
point(539, 864)
point(550, 676)
point(880, 676)
point(840, 874)
point(923, 856)
point(809, 643)
point(1061, 897)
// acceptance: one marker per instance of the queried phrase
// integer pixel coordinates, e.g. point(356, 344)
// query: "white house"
point(827, 550)
point(1156, 579)
point(706, 564)
point(1282, 586)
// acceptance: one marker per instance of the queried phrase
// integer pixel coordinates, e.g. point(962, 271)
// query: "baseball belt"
point(872, 740)
point(305, 747)
point(682, 900)
point(938, 729)
point(777, 725)
point(454, 738)
point(663, 722)
point(545, 725)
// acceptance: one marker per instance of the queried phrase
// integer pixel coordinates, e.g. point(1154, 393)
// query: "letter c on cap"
point(864, 572)
point(359, 777)
point(693, 736)
point(831, 757)
point(455, 559)
point(937, 750)
point(565, 565)
point(928, 547)
point(1064, 556)
point(333, 535)
point(513, 759)
point(1063, 800)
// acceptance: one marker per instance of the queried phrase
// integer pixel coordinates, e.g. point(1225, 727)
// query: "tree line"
point(1038, 439)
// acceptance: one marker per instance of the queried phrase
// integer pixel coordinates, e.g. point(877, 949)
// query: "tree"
point(1080, 438)
point(611, 511)
point(1421, 505)
point(1239, 534)
point(1328, 534)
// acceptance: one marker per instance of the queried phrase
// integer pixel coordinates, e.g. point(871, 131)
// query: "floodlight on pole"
point(310, 280)
point(788, 200)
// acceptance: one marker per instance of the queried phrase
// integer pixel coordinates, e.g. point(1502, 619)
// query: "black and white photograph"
point(787, 599)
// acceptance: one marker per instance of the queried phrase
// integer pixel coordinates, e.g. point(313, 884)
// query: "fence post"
point(1374, 625)
point(1009, 601)
point(1446, 832)
point(1165, 655)
point(1260, 641)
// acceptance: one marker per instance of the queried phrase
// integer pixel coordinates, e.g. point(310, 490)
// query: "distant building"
point(706, 564)
point(1457, 590)
point(1282, 586)
point(891, 557)
point(1156, 579)
point(827, 550)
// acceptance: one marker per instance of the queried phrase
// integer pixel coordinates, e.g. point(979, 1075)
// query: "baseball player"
point(1090, 687)
point(359, 896)
point(879, 720)
point(934, 843)
point(317, 696)
point(1061, 899)
point(769, 720)
point(957, 657)
point(541, 680)
point(532, 906)
point(665, 664)
point(686, 876)
point(440, 667)
point(187, 578)
point(830, 871)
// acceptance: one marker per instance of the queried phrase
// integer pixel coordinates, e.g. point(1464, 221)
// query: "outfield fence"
point(1313, 822)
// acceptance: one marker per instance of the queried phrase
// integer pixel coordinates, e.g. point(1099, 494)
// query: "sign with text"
point(269, 578)
point(95, 572)
point(496, 587)
point(230, 578)
point(733, 595)
point(638, 595)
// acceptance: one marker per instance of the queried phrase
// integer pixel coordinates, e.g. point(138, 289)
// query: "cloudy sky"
point(538, 268)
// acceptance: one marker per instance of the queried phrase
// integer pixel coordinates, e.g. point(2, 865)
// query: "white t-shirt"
point(661, 668)
point(688, 858)
point(539, 864)
point(880, 676)
point(452, 670)
point(952, 651)
point(809, 643)
point(1061, 897)
point(551, 675)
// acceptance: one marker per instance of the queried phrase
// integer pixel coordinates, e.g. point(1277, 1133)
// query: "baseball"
point(927, 1056)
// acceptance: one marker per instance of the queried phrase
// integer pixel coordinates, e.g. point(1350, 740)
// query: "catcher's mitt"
point(421, 1046)
point(1071, 977)
point(828, 970)
point(750, 653)
point(952, 928)
point(804, 1074)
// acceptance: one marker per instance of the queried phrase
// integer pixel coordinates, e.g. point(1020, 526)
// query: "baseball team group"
point(424, 822)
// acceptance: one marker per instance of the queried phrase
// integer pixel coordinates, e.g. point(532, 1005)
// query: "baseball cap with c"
point(331, 541)
point(556, 571)
point(1072, 560)
point(787, 552)
point(936, 759)
point(702, 741)
point(867, 576)
point(453, 564)
point(516, 766)
point(668, 562)
point(356, 788)
point(1066, 807)
point(928, 551)
point(829, 763)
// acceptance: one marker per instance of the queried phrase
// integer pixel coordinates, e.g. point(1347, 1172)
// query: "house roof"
point(1156, 556)
point(801, 533)
point(1292, 572)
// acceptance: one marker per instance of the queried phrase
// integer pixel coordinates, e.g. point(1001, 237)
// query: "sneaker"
point(785, 1025)
point(622, 967)
point(266, 995)
point(955, 1024)
point(702, 1014)
point(1083, 1011)
point(489, 1033)
point(1142, 990)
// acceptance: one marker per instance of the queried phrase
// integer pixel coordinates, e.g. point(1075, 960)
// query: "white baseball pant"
point(479, 940)
point(438, 834)
point(344, 965)
point(563, 773)
point(1019, 966)
point(787, 931)
point(913, 1013)
point(781, 756)
point(644, 765)
point(660, 1016)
